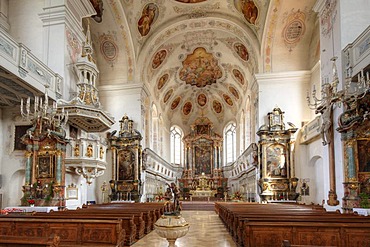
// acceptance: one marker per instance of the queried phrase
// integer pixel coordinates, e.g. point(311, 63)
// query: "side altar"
point(202, 176)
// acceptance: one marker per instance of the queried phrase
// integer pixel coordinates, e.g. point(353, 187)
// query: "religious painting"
point(203, 159)
point(227, 99)
point(363, 154)
point(202, 99)
point(159, 58)
point(248, 9)
point(20, 131)
point(238, 76)
point(217, 106)
point(98, 6)
point(202, 129)
point(162, 81)
point(187, 108)
point(276, 161)
point(167, 95)
point(190, 1)
point(200, 68)
point(126, 165)
point(45, 166)
point(175, 103)
point(242, 51)
point(234, 92)
point(148, 16)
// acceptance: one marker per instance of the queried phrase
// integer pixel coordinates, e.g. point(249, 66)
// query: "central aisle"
point(206, 229)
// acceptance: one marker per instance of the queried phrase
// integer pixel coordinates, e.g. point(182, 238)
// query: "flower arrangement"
point(10, 210)
point(159, 197)
point(31, 201)
point(237, 196)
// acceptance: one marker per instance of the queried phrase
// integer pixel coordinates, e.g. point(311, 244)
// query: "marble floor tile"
point(206, 229)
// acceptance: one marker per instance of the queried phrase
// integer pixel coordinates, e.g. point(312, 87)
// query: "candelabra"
point(42, 113)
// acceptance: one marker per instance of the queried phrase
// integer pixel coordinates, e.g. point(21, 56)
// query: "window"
point(176, 144)
point(230, 143)
point(154, 129)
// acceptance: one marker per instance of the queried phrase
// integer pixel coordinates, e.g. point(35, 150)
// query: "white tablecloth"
point(27, 209)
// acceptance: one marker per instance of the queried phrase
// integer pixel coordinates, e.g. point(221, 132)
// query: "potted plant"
point(364, 204)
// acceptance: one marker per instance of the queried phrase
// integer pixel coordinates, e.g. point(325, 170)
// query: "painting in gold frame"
point(45, 166)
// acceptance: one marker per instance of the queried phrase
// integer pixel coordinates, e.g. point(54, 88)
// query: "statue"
point(173, 191)
point(326, 114)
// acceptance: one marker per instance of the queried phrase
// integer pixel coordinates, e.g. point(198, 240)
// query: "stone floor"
point(206, 229)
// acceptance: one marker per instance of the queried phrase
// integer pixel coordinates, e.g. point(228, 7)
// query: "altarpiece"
point(202, 176)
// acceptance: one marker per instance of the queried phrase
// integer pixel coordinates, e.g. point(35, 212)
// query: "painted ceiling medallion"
point(202, 99)
point(167, 95)
point(234, 92)
point(242, 51)
point(159, 58)
point(248, 9)
point(228, 100)
point(175, 103)
point(190, 1)
point(148, 16)
point(186, 109)
point(294, 29)
point(217, 106)
point(200, 69)
point(162, 81)
point(238, 76)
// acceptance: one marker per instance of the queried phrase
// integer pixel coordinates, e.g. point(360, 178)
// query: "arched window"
point(242, 132)
point(176, 144)
point(230, 143)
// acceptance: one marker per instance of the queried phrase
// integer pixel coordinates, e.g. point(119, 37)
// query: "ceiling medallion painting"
point(238, 76)
point(186, 109)
point(108, 47)
point(294, 29)
point(228, 100)
point(234, 92)
point(148, 16)
point(217, 106)
point(202, 99)
point(200, 69)
point(175, 103)
point(159, 58)
point(162, 81)
point(249, 9)
point(190, 1)
point(167, 95)
point(242, 51)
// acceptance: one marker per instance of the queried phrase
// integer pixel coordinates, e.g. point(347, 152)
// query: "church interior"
point(233, 105)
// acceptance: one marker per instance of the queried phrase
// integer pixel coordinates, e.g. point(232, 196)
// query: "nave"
point(206, 229)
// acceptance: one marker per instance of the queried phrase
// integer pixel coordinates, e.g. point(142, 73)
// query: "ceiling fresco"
point(199, 57)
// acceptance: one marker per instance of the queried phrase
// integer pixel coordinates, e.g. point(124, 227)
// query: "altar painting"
point(203, 159)
point(276, 165)
point(126, 165)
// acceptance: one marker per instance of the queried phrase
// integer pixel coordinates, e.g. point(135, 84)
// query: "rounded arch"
point(176, 144)
point(229, 133)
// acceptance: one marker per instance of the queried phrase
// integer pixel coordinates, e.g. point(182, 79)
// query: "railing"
point(155, 164)
point(18, 59)
point(247, 161)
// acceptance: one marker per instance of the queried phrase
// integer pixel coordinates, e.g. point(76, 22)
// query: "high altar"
point(203, 176)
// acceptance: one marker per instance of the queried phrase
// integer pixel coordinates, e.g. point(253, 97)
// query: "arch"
point(242, 131)
point(229, 142)
point(176, 149)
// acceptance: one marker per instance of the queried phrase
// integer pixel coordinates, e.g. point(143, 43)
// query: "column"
point(59, 168)
point(28, 168)
point(136, 174)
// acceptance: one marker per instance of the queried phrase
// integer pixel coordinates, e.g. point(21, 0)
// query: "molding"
point(135, 87)
point(284, 77)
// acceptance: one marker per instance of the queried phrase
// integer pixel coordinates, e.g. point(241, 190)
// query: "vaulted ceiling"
point(199, 57)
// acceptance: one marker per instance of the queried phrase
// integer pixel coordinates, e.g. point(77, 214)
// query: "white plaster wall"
point(25, 24)
point(287, 91)
point(355, 19)
point(12, 163)
point(121, 100)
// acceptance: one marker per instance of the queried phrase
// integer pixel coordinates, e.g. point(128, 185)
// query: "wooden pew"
point(71, 231)
point(51, 241)
point(268, 225)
